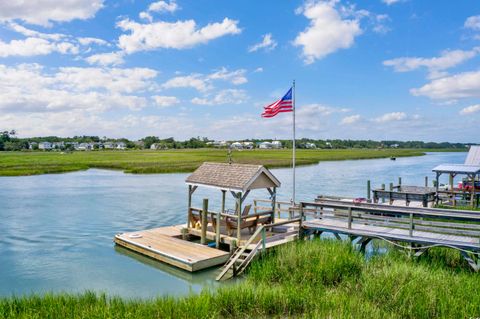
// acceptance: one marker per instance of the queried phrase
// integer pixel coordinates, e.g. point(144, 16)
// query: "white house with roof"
point(248, 145)
point(276, 144)
point(121, 146)
point(237, 145)
point(45, 146)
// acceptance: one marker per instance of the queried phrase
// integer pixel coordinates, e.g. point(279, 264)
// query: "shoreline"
point(177, 161)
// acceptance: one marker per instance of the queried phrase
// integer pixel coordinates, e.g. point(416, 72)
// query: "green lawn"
point(142, 162)
point(310, 279)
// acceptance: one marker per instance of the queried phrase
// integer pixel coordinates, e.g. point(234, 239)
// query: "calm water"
point(56, 230)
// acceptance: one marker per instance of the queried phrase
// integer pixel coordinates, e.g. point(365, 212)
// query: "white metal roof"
point(473, 157)
point(457, 168)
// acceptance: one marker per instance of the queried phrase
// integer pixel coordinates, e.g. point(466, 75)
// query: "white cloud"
point(470, 109)
point(35, 34)
point(236, 77)
point(229, 96)
point(31, 88)
point(35, 46)
point(163, 6)
point(390, 2)
point(203, 83)
point(164, 101)
point(267, 44)
point(171, 35)
point(258, 70)
point(90, 40)
point(462, 85)
point(328, 30)
point(391, 117)
point(473, 23)
point(159, 6)
point(44, 12)
point(435, 65)
point(196, 81)
point(350, 119)
point(112, 58)
point(379, 23)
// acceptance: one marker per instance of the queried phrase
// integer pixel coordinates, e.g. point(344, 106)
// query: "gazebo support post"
point(191, 189)
point(437, 183)
point(203, 238)
point(217, 230)
point(274, 203)
point(239, 217)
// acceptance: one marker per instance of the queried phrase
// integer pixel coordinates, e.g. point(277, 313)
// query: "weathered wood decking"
point(165, 244)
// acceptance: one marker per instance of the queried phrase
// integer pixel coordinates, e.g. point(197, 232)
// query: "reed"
point(311, 279)
point(173, 161)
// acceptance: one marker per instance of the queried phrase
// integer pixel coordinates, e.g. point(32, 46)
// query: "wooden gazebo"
point(238, 180)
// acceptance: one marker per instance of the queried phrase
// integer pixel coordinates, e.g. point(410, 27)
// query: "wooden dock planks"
point(164, 244)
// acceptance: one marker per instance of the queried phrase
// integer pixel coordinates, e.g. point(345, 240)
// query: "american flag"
point(285, 104)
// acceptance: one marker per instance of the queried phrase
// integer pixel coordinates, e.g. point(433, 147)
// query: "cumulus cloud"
point(435, 65)
point(203, 83)
point(228, 96)
point(391, 117)
point(390, 2)
point(44, 12)
point(111, 58)
point(90, 40)
point(171, 35)
point(459, 86)
point(350, 119)
point(164, 101)
point(33, 89)
point(473, 23)
point(470, 109)
point(268, 43)
point(35, 46)
point(159, 6)
point(328, 30)
point(236, 77)
point(196, 81)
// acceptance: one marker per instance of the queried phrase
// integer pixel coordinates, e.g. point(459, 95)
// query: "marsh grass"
point(313, 279)
point(172, 161)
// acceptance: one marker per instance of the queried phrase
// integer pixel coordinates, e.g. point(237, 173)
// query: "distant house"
point(310, 145)
point(218, 144)
point(394, 145)
point(265, 145)
point(158, 146)
point(276, 144)
point(84, 147)
point(32, 145)
point(248, 145)
point(58, 145)
point(121, 146)
point(108, 145)
point(237, 145)
point(328, 144)
point(45, 146)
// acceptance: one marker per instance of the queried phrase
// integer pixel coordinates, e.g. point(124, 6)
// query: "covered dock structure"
point(468, 190)
point(238, 180)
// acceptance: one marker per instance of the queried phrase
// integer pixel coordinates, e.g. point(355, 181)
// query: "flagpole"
point(293, 155)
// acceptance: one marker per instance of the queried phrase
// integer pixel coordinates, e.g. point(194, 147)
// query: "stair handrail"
point(242, 249)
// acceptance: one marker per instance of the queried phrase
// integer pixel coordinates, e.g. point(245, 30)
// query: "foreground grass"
point(315, 279)
point(172, 161)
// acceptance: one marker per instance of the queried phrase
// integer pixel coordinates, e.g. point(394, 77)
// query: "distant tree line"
point(10, 142)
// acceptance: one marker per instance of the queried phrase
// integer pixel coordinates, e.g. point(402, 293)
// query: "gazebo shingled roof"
point(239, 177)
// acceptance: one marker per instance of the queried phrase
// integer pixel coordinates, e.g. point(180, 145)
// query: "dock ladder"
point(244, 254)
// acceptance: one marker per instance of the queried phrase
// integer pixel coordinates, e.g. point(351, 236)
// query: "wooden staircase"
point(243, 256)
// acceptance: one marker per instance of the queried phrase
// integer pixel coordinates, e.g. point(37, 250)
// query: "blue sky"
point(377, 69)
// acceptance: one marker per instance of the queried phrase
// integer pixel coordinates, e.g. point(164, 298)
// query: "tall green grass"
point(172, 161)
point(312, 279)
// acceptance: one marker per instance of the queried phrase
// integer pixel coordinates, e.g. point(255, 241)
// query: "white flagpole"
point(293, 156)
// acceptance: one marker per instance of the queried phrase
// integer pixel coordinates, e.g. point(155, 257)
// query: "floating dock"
point(165, 244)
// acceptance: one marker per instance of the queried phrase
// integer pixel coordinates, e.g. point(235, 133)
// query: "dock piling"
point(369, 190)
point(203, 238)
